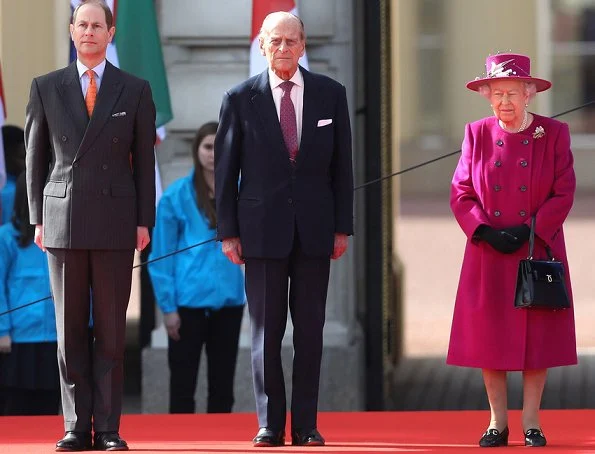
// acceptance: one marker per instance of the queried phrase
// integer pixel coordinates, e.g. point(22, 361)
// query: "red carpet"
point(568, 431)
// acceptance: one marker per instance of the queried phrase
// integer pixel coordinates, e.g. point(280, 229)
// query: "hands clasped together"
point(506, 240)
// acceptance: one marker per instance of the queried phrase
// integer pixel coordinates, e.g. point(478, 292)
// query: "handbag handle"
point(532, 242)
point(531, 238)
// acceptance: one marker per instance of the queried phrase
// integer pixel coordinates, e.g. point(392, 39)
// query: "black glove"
point(500, 240)
point(521, 232)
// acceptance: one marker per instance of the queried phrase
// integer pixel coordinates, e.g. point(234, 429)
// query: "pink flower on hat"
point(508, 66)
point(497, 70)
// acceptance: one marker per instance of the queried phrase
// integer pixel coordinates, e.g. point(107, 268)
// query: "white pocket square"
point(119, 114)
point(325, 122)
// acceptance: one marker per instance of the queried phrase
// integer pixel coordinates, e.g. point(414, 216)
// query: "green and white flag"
point(136, 49)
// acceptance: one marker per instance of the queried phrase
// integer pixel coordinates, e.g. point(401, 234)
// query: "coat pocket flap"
point(55, 189)
point(123, 190)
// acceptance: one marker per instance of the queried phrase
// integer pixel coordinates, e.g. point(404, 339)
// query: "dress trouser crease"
point(267, 285)
point(91, 375)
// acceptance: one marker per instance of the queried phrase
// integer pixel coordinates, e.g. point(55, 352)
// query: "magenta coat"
point(501, 180)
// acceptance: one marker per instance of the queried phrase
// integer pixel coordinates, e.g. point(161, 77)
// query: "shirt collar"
point(275, 80)
point(99, 69)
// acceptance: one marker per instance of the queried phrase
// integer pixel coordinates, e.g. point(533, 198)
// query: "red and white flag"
point(2, 117)
point(260, 10)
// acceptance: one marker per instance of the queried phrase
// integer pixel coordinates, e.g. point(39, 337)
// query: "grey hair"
point(530, 90)
point(265, 28)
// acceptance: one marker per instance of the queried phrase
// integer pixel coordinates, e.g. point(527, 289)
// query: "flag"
point(136, 48)
point(2, 117)
point(260, 10)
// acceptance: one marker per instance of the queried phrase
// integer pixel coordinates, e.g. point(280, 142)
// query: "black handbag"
point(540, 283)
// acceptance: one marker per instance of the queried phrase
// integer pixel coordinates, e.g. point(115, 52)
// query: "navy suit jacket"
point(261, 196)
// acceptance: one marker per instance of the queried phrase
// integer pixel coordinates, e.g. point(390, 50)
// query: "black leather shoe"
point(535, 437)
point(269, 437)
point(493, 438)
point(109, 441)
point(306, 438)
point(74, 441)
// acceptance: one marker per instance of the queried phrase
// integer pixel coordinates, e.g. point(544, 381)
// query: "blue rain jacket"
point(201, 277)
point(24, 278)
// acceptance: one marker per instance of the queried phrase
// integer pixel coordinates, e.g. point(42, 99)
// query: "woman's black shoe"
point(535, 437)
point(493, 438)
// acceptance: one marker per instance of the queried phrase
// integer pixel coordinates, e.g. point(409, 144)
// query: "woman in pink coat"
point(514, 165)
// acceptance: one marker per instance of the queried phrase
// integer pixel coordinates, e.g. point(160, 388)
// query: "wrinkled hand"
point(232, 248)
point(340, 245)
point(5, 344)
point(38, 237)
point(172, 324)
point(500, 240)
point(142, 237)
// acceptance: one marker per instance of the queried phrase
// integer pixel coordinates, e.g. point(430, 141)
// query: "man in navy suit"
point(285, 136)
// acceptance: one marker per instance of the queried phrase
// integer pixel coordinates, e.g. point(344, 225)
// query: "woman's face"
point(206, 154)
point(508, 99)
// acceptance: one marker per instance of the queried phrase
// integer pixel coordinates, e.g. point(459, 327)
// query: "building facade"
point(404, 64)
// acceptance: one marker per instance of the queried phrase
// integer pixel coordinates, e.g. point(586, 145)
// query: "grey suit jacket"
point(90, 182)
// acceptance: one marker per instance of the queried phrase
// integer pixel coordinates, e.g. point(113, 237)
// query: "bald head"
point(282, 42)
point(275, 19)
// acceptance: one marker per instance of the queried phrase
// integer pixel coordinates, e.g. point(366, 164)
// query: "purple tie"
point(288, 122)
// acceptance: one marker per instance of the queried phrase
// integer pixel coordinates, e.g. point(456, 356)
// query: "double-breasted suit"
point(91, 182)
point(286, 216)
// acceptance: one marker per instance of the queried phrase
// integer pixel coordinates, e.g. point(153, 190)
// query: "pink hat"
point(508, 66)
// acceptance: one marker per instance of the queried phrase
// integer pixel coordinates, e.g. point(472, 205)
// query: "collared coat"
point(201, 277)
point(502, 180)
point(91, 181)
point(274, 197)
point(24, 278)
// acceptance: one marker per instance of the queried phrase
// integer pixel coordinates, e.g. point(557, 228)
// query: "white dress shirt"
point(297, 97)
point(98, 70)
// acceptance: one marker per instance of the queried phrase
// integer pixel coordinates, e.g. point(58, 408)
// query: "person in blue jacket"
point(29, 370)
point(199, 291)
point(13, 138)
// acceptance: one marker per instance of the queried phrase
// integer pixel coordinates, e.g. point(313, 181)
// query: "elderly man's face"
point(283, 46)
point(89, 31)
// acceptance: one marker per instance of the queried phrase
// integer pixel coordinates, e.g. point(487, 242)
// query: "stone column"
point(33, 41)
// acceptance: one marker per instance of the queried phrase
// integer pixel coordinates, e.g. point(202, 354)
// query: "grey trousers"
point(84, 283)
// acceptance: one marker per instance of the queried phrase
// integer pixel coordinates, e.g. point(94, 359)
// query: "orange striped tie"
point(91, 92)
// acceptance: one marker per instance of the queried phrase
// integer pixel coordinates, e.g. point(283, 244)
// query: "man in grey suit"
point(90, 132)
point(287, 132)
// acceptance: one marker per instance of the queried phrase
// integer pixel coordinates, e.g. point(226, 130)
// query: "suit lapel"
point(72, 96)
point(109, 92)
point(309, 117)
point(262, 100)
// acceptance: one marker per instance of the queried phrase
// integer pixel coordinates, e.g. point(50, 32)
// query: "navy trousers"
point(299, 282)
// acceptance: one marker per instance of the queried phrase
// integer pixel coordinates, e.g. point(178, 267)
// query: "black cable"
point(135, 266)
point(25, 305)
point(172, 253)
point(363, 185)
point(377, 180)
point(417, 166)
